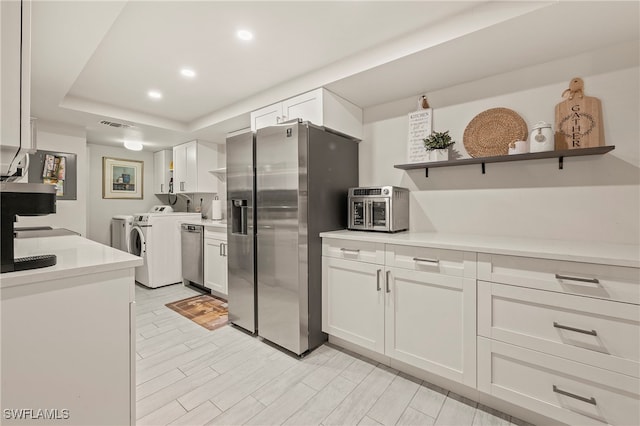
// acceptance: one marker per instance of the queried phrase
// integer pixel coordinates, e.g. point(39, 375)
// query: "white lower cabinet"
point(560, 338)
point(73, 351)
point(431, 322)
point(593, 331)
point(215, 264)
point(565, 390)
point(353, 302)
point(425, 319)
point(557, 338)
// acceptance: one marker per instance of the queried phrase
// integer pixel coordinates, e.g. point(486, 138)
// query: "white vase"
point(439, 155)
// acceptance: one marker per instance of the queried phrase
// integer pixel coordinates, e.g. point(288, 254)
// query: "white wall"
point(595, 198)
point(70, 214)
point(99, 210)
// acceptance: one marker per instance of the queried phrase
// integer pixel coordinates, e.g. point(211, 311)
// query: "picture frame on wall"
point(122, 179)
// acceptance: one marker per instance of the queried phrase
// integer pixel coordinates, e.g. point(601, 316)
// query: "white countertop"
point(576, 251)
point(75, 256)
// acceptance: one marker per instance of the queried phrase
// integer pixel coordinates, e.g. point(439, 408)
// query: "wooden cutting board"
point(578, 119)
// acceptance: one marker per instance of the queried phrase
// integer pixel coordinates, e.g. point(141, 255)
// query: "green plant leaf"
point(438, 140)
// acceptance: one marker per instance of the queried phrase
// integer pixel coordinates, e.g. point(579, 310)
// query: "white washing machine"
point(120, 231)
point(156, 238)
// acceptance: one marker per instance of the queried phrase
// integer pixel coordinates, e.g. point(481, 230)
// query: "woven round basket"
point(490, 132)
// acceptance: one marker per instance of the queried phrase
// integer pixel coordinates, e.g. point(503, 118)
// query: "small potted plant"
point(437, 144)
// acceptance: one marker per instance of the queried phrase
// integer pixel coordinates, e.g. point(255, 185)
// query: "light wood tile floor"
point(187, 375)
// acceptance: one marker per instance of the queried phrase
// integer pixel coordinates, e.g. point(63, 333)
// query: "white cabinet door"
point(15, 80)
point(185, 165)
point(179, 168)
point(215, 265)
point(191, 173)
point(267, 116)
point(307, 107)
point(161, 173)
point(191, 163)
point(430, 322)
point(353, 302)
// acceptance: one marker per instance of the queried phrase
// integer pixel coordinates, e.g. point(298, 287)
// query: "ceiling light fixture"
point(133, 145)
point(187, 72)
point(245, 35)
point(154, 94)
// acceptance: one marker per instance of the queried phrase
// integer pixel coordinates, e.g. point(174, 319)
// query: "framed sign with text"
point(420, 123)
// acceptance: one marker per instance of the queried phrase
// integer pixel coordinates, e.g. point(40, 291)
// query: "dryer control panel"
point(142, 219)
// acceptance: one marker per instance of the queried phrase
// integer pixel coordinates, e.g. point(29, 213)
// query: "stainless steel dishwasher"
point(192, 238)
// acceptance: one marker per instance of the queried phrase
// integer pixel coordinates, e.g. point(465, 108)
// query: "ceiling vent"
point(115, 124)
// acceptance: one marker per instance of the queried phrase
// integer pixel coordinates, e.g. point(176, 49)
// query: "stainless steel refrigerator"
point(240, 231)
point(302, 174)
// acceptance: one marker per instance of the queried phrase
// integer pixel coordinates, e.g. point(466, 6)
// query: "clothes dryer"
point(120, 231)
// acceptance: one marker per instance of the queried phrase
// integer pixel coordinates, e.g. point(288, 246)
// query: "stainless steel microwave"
point(379, 208)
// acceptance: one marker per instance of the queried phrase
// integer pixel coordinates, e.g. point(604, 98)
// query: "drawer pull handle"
point(591, 400)
point(348, 250)
point(421, 259)
point(577, 330)
point(378, 279)
point(583, 280)
point(387, 282)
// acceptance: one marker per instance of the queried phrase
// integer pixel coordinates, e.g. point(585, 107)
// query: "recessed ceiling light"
point(154, 94)
point(244, 35)
point(188, 72)
point(133, 145)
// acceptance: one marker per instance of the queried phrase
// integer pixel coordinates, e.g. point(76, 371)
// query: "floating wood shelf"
point(599, 150)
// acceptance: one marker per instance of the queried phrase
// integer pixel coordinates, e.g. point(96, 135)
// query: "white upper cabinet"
point(267, 116)
point(308, 106)
point(162, 171)
point(191, 163)
point(15, 79)
point(320, 106)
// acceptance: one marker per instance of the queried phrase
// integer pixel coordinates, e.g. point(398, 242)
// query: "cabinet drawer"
point(584, 279)
point(564, 390)
point(353, 250)
point(216, 233)
point(598, 332)
point(447, 262)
